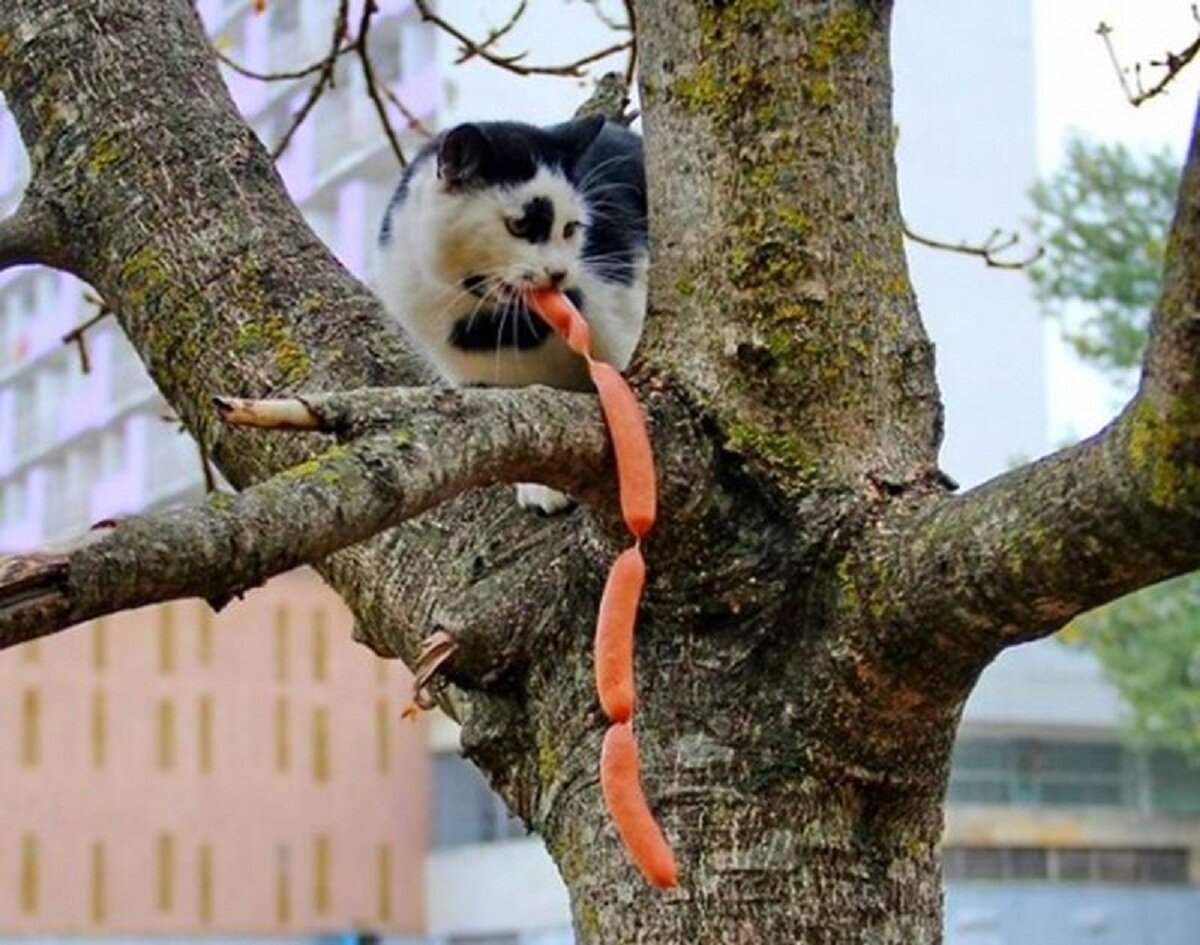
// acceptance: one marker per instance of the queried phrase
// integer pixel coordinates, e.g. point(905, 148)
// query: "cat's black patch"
point(612, 177)
point(536, 222)
point(475, 284)
point(511, 327)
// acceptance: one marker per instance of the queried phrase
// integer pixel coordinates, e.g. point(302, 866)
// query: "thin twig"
point(303, 73)
point(76, 335)
point(631, 66)
point(513, 63)
point(989, 250)
point(210, 480)
point(282, 414)
point(494, 36)
point(325, 79)
point(370, 8)
point(1174, 63)
point(607, 20)
point(411, 120)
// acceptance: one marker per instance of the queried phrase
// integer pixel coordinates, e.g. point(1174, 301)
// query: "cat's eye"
point(571, 228)
point(515, 226)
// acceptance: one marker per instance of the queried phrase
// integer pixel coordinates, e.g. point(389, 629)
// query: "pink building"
point(171, 771)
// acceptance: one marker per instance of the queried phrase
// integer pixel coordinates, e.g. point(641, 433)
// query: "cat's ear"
point(576, 135)
point(461, 154)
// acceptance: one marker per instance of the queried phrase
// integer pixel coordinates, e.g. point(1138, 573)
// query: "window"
point(98, 896)
point(206, 883)
point(1042, 773)
point(1174, 784)
point(466, 810)
point(1121, 865)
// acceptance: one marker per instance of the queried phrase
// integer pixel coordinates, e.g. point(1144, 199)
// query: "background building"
point(173, 772)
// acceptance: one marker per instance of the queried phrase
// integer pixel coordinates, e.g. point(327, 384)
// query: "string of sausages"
point(620, 778)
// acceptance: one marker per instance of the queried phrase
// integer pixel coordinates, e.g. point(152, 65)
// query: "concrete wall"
point(1010, 914)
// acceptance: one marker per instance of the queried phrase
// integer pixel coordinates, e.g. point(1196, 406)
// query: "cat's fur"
point(489, 209)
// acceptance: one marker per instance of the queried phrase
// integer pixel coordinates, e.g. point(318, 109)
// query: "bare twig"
point(989, 250)
point(1172, 62)
point(284, 76)
point(631, 65)
point(410, 118)
point(607, 20)
point(287, 414)
point(77, 335)
point(513, 63)
point(206, 470)
point(496, 34)
point(373, 86)
point(325, 79)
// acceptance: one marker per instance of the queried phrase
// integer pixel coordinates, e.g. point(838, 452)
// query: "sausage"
point(614, 634)
point(619, 777)
point(621, 783)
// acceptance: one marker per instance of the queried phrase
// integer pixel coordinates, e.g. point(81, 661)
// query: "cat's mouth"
point(501, 290)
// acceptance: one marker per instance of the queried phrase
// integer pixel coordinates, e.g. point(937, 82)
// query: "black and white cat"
point(487, 210)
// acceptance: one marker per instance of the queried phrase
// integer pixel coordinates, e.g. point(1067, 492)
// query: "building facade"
point(171, 771)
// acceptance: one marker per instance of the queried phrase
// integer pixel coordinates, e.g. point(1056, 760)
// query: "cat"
point(489, 209)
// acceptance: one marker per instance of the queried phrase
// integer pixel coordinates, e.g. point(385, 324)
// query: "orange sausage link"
point(561, 315)
point(631, 444)
point(621, 783)
point(614, 634)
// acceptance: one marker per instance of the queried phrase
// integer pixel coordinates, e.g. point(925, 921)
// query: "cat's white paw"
point(546, 500)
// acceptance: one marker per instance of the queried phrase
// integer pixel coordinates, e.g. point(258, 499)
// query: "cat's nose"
point(556, 276)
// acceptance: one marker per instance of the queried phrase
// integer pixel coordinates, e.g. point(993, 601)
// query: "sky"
point(1078, 91)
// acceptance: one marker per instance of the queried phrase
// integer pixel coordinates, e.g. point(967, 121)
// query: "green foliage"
point(1103, 221)
point(1149, 643)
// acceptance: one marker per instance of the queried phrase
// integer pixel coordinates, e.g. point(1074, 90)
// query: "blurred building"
point(170, 771)
point(213, 777)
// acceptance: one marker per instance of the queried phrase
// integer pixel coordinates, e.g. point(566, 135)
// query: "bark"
point(818, 606)
point(412, 449)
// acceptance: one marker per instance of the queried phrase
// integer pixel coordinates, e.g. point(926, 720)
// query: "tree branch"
point(438, 444)
point(990, 250)
point(1016, 558)
point(30, 236)
point(1173, 62)
point(470, 48)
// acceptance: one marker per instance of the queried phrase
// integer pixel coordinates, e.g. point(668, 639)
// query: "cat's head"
point(511, 218)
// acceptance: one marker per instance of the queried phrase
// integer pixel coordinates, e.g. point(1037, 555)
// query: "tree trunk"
point(818, 606)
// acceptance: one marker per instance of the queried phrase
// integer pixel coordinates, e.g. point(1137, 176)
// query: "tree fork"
point(803, 657)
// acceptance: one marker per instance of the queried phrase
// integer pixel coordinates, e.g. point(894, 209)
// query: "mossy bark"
point(818, 607)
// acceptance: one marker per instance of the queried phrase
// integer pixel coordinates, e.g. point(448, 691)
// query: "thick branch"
point(1016, 558)
point(444, 442)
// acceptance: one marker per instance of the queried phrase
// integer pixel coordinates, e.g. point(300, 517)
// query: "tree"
point(820, 607)
point(1104, 218)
